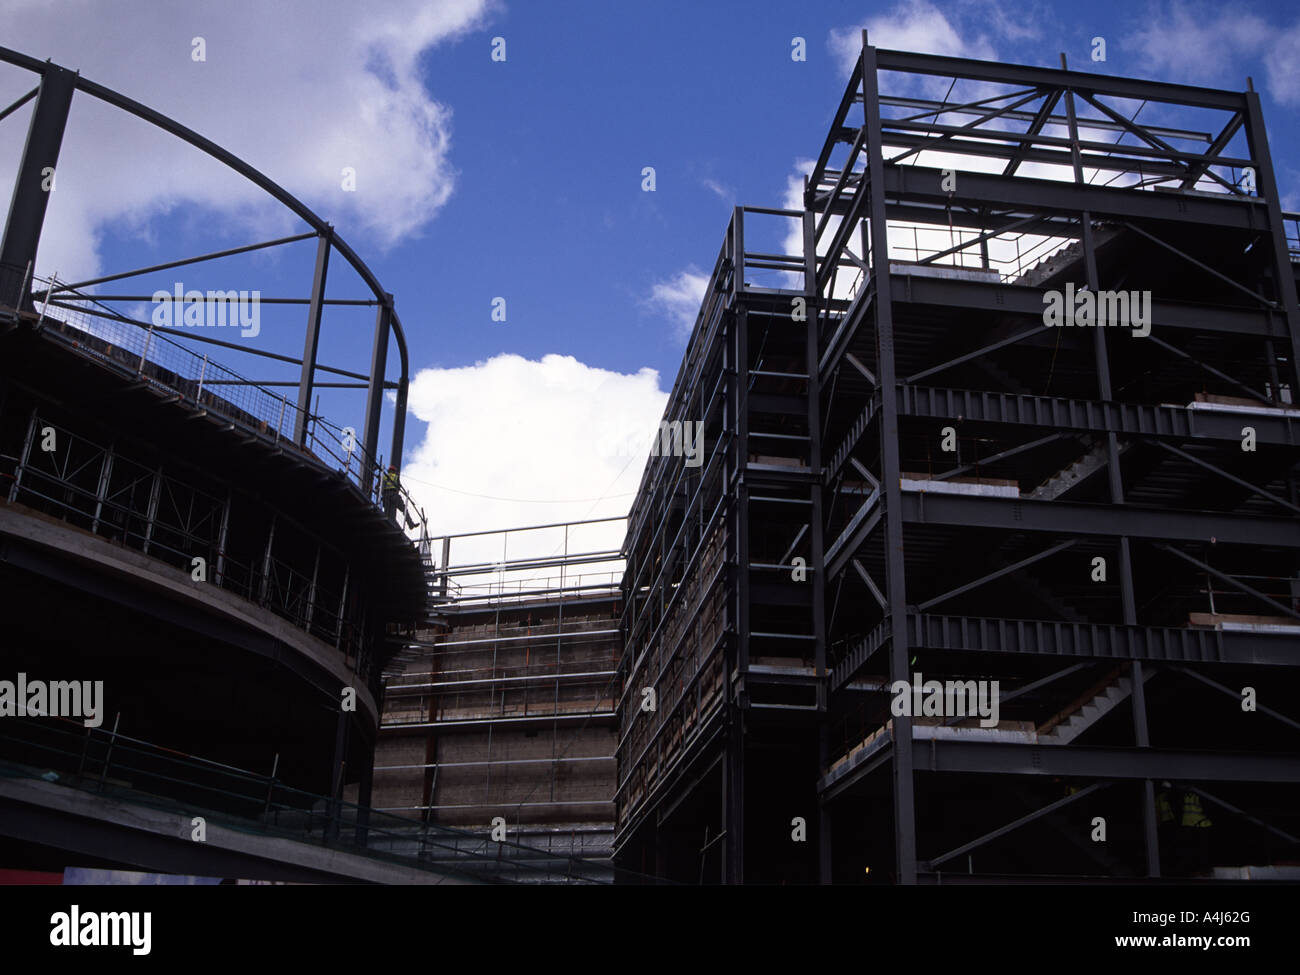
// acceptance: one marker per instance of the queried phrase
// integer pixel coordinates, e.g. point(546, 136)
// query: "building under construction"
point(916, 470)
point(502, 708)
point(1006, 410)
point(234, 570)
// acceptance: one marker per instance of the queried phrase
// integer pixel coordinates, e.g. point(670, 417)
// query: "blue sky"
point(521, 179)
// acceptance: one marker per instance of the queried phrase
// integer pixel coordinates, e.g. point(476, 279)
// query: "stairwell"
point(1076, 473)
point(1054, 264)
point(1067, 725)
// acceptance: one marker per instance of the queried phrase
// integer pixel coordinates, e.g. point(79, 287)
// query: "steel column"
point(1283, 276)
point(891, 470)
point(22, 233)
point(375, 392)
point(312, 339)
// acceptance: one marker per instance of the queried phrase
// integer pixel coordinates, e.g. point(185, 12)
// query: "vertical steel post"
point(270, 786)
point(343, 605)
point(365, 791)
point(375, 392)
point(399, 424)
point(101, 489)
point(1128, 601)
point(734, 762)
point(816, 562)
point(337, 776)
point(312, 340)
point(890, 474)
point(311, 589)
point(219, 576)
point(265, 582)
point(36, 170)
point(25, 458)
point(1283, 276)
point(151, 513)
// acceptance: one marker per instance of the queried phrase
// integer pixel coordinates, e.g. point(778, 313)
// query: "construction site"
point(910, 475)
point(1006, 407)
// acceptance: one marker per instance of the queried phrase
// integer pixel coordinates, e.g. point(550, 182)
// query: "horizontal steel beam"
point(1074, 519)
point(979, 190)
point(1016, 299)
point(1053, 638)
point(1007, 758)
point(1280, 428)
point(1097, 84)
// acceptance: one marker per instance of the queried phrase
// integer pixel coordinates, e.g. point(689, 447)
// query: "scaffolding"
point(503, 704)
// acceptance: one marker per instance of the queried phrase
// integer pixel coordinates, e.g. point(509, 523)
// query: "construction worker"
point(1164, 808)
point(388, 493)
point(1166, 825)
point(1194, 834)
point(1193, 815)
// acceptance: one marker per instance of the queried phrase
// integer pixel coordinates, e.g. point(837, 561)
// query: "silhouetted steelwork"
point(922, 476)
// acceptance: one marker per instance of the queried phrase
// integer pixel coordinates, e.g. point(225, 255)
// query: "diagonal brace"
point(1016, 824)
point(1230, 580)
point(997, 574)
point(1214, 469)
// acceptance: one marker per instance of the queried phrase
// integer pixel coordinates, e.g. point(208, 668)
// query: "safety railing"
point(154, 356)
point(174, 521)
point(116, 766)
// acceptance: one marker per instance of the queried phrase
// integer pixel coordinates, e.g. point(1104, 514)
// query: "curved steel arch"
point(387, 316)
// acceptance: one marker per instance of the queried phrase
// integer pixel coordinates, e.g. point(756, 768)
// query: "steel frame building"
point(907, 471)
point(128, 456)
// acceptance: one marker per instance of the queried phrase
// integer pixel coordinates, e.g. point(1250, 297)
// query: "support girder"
point(1280, 428)
point(1070, 518)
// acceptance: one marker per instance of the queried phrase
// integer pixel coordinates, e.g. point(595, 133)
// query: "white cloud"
point(1283, 63)
point(1192, 44)
point(912, 25)
point(533, 431)
point(300, 89)
point(724, 193)
point(680, 297)
point(1208, 45)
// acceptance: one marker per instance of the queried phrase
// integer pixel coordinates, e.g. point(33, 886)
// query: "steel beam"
point(1019, 74)
point(1276, 427)
point(1254, 489)
point(37, 168)
point(1053, 638)
point(1006, 758)
point(996, 574)
point(1008, 298)
point(1001, 831)
point(1070, 518)
point(1235, 694)
point(1230, 580)
point(1021, 195)
point(1282, 273)
point(891, 467)
point(375, 393)
point(311, 340)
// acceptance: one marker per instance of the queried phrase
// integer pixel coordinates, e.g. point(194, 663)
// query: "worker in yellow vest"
point(1164, 808)
point(1194, 835)
point(1193, 815)
point(388, 493)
